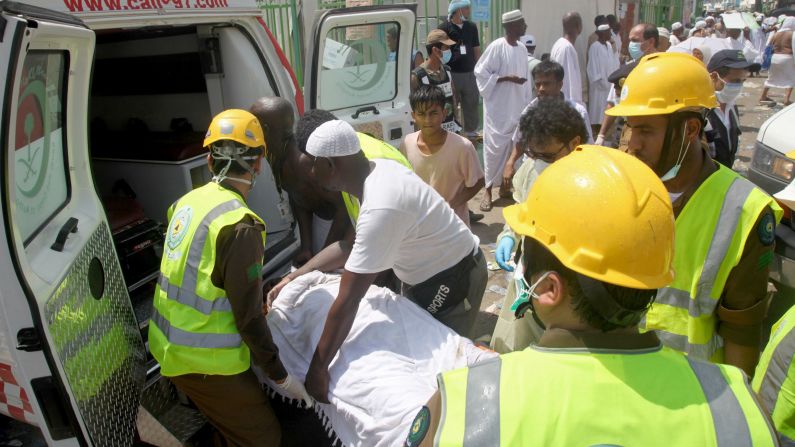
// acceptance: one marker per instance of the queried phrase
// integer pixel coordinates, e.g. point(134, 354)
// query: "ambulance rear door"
point(359, 68)
point(77, 343)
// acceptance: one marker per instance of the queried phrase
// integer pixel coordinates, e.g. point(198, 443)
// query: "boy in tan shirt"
point(444, 160)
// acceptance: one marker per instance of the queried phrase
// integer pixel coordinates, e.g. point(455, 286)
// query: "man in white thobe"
point(738, 42)
point(677, 33)
point(502, 75)
point(564, 53)
point(601, 64)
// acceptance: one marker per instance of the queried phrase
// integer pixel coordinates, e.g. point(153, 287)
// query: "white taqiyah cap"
point(334, 138)
point(512, 16)
point(700, 24)
point(663, 32)
point(528, 40)
point(677, 25)
point(603, 27)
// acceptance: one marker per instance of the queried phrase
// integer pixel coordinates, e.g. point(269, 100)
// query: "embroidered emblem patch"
point(178, 227)
point(419, 428)
point(767, 229)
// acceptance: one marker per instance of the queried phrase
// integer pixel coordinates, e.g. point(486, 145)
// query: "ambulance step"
point(163, 420)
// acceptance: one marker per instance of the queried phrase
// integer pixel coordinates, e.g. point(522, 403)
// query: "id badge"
point(447, 89)
point(463, 49)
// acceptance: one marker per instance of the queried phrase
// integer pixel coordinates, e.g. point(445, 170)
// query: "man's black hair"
point(426, 96)
point(551, 118)
point(235, 168)
point(429, 47)
point(308, 123)
point(548, 67)
point(392, 31)
point(599, 20)
point(539, 259)
point(611, 18)
point(650, 32)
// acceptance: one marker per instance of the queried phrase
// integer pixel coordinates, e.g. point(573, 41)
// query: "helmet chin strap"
point(221, 176)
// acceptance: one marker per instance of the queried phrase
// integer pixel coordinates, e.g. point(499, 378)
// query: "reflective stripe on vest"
point(731, 410)
point(193, 329)
point(774, 380)
point(192, 339)
point(683, 314)
point(373, 148)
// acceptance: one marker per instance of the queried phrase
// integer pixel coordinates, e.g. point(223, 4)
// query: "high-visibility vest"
point(774, 380)
point(576, 397)
point(711, 232)
point(192, 329)
point(373, 148)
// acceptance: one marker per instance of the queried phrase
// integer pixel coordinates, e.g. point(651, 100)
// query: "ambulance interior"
point(154, 92)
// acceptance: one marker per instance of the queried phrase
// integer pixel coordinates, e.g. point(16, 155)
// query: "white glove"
point(600, 140)
point(294, 389)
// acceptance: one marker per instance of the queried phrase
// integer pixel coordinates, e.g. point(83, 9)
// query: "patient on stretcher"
point(386, 368)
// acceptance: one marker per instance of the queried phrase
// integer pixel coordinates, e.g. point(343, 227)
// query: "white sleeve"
point(487, 70)
point(379, 233)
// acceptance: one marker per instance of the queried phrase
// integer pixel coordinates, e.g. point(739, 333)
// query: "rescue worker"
point(321, 214)
point(774, 380)
point(725, 226)
point(207, 325)
point(404, 225)
point(601, 382)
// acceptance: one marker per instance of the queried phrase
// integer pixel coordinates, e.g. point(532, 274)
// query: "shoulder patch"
point(178, 227)
point(419, 428)
point(767, 229)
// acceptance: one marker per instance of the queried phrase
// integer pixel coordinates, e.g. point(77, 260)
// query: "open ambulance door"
point(75, 342)
point(359, 68)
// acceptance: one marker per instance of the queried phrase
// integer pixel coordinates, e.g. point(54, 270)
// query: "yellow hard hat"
point(235, 125)
point(604, 214)
point(665, 83)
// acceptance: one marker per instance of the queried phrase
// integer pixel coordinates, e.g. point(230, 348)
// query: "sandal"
point(485, 204)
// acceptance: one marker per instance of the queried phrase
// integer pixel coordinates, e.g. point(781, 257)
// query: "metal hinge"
point(28, 340)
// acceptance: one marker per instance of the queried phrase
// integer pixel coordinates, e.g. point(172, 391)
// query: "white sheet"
point(387, 366)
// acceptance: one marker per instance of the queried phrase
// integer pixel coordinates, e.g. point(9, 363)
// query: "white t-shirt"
point(405, 225)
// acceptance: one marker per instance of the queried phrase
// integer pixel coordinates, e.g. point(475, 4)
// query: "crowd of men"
point(639, 273)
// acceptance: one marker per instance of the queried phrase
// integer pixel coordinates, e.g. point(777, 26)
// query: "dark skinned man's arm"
point(338, 324)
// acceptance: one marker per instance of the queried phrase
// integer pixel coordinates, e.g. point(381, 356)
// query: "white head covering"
point(770, 21)
point(676, 26)
point(512, 16)
point(528, 40)
point(603, 27)
point(700, 25)
point(334, 138)
point(663, 32)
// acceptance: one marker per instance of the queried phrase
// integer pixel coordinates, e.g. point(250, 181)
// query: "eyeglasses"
point(545, 156)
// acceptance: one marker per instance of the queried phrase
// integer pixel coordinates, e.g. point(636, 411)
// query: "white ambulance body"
point(104, 107)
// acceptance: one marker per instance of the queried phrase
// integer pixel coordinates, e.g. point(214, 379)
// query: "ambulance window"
point(359, 65)
point(41, 184)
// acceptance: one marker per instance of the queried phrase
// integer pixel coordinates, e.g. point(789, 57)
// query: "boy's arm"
point(467, 193)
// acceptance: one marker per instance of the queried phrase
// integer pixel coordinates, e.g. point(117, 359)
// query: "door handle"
point(69, 227)
point(365, 109)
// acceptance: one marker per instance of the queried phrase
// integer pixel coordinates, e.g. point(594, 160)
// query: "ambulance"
point(104, 107)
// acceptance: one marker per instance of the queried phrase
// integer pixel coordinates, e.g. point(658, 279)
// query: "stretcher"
point(385, 370)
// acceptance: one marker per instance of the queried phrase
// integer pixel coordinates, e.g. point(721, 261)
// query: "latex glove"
point(293, 388)
point(600, 140)
point(503, 253)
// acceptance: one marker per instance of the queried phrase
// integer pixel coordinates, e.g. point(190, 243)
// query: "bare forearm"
point(466, 194)
point(330, 258)
point(607, 122)
point(304, 218)
point(339, 227)
point(340, 317)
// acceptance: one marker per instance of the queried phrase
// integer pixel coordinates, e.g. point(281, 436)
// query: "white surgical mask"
point(730, 92)
point(524, 291)
point(634, 50)
point(674, 171)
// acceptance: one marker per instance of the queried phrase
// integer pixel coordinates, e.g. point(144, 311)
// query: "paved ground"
point(752, 116)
